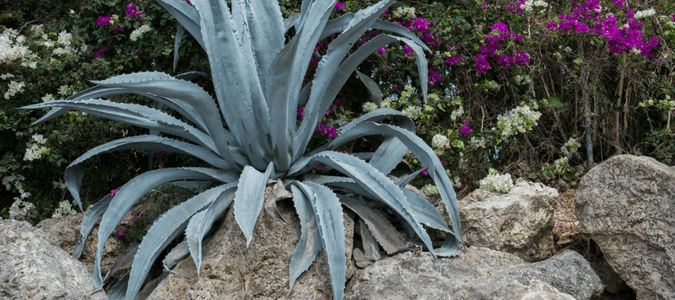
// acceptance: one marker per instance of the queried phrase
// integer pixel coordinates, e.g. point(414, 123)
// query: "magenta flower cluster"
point(132, 12)
point(466, 129)
point(500, 32)
point(421, 27)
point(159, 153)
point(339, 6)
point(433, 77)
point(587, 17)
point(327, 131)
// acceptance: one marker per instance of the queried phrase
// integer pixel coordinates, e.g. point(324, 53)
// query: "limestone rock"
point(519, 222)
point(477, 273)
point(33, 268)
point(65, 232)
point(627, 204)
point(230, 270)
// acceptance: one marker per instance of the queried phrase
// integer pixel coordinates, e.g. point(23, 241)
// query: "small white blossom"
point(14, 88)
point(47, 98)
point(412, 112)
point(40, 139)
point(457, 113)
point(63, 210)
point(48, 44)
point(6, 76)
point(404, 11)
point(430, 189)
point(496, 182)
point(65, 38)
point(439, 141)
point(138, 32)
point(369, 106)
point(645, 13)
point(64, 90)
point(519, 119)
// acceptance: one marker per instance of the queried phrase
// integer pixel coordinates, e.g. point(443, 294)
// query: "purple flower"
point(425, 173)
point(338, 102)
point(188, 2)
point(420, 24)
point(453, 60)
point(102, 21)
point(408, 51)
point(130, 223)
point(481, 64)
point(131, 10)
point(301, 112)
point(504, 60)
point(521, 58)
point(465, 130)
point(121, 233)
point(559, 226)
point(138, 51)
point(630, 14)
point(381, 51)
point(135, 214)
point(320, 167)
point(618, 3)
point(113, 193)
point(339, 6)
point(99, 52)
point(433, 77)
point(384, 14)
point(485, 6)
point(327, 131)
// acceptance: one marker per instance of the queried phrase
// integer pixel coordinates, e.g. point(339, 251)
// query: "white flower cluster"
point(493, 85)
point(65, 90)
point(645, 13)
point(6, 76)
point(408, 91)
point(430, 189)
point(529, 5)
point(519, 119)
point(404, 11)
point(47, 98)
point(412, 112)
point(386, 103)
point(59, 184)
point(523, 79)
point(36, 150)
point(11, 46)
point(14, 88)
point(65, 39)
point(439, 141)
point(476, 141)
point(21, 209)
point(138, 32)
point(63, 210)
point(496, 182)
point(570, 148)
point(369, 106)
point(457, 113)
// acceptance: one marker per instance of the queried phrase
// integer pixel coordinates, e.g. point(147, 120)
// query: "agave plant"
point(258, 82)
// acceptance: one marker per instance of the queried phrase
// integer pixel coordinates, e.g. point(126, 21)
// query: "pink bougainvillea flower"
point(320, 167)
point(102, 21)
point(130, 223)
point(339, 6)
point(121, 233)
point(139, 51)
point(99, 52)
point(485, 6)
point(433, 77)
point(113, 193)
point(425, 173)
point(301, 112)
point(465, 130)
point(381, 51)
point(135, 214)
point(481, 64)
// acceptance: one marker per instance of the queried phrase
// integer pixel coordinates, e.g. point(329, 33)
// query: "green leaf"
point(556, 102)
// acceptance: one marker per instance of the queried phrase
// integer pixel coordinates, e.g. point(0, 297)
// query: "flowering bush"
point(497, 183)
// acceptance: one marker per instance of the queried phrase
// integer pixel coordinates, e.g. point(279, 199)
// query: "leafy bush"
point(258, 82)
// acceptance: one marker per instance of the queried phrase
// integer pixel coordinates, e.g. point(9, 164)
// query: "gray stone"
point(476, 273)
point(231, 270)
point(627, 204)
point(520, 222)
point(65, 232)
point(33, 268)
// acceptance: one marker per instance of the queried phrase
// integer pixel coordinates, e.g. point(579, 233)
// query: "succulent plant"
point(258, 82)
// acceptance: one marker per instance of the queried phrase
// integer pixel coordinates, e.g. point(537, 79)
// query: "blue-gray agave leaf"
point(374, 182)
point(310, 243)
point(177, 254)
point(163, 231)
point(328, 212)
point(329, 64)
point(91, 216)
point(249, 198)
point(134, 114)
point(186, 15)
point(201, 223)
point(383, 231)
point(133, 190)
point(371, 248)
point(176, 45)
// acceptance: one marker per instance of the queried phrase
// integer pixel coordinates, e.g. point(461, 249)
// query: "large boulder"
point(627, 205)
point(476, 273)
point(520, 222)
point(32, 268)
point(65, 233)
point(231, 270)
